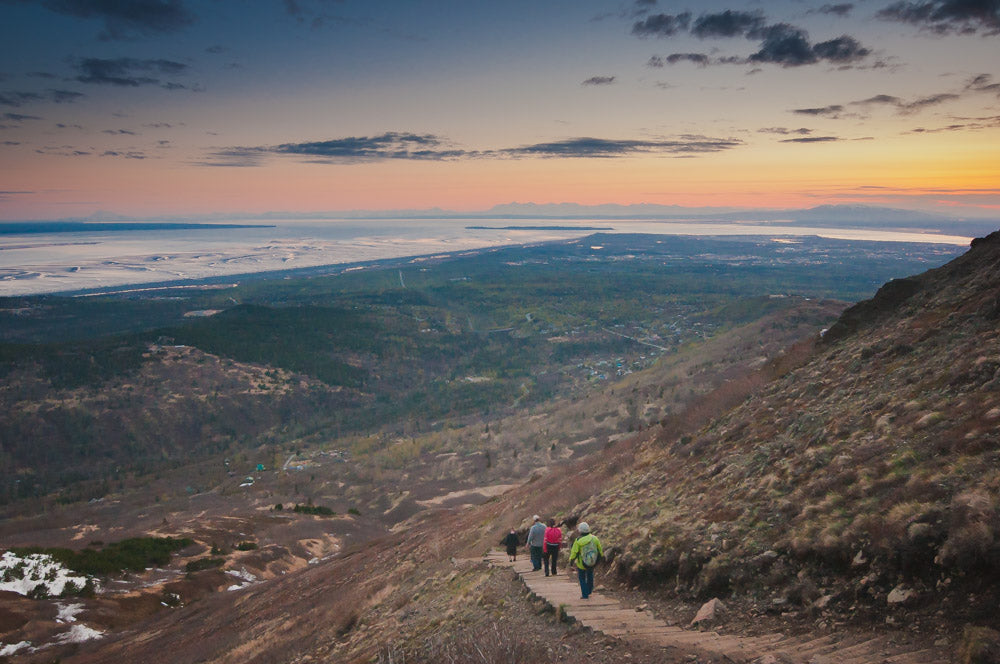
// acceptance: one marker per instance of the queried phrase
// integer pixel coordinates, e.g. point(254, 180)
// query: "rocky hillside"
point(865, 481)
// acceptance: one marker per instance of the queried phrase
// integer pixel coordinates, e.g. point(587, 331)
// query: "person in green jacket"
point(586, 553)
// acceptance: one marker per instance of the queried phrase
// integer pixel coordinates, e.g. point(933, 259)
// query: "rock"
point(901, 596)
point(859, 559)
point(823, 602)
point(709, 612)
point(980, 645)
point(642, 607)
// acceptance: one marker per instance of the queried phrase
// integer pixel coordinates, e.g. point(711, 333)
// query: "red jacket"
point(552, 536)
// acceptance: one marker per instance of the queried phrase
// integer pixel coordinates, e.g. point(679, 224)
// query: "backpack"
point(590, 555)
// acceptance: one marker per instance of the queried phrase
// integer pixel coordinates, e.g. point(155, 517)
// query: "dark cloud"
point(947, 16)
point(119, 132)
point(662, 25)
point(587, 147)
point(843, 49)
point(843, 9)
point(428, 147)
point(880, 99)
point(924, 102)
point(812, 139)
point(123, 19)
point(216, 50)
point(19, 117)
point(780, 43)
point(17, 99)
point(727, 24)
point(967, 124)
point(785, 45)
point(127, 72)
point(902, 106)
point(784, 131)
point(391, 145)
point(697, 58)
point(599, 80)
point(983, 83)
point(832, 111)
point(131, 154)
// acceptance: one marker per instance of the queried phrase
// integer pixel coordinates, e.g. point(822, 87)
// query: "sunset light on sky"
point(177, 108)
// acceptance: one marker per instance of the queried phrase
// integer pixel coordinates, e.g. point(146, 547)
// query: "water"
point(55, 262)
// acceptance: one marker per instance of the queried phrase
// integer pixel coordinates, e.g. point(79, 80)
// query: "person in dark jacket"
point(510, 541)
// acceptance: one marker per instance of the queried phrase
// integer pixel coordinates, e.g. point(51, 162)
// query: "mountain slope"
point(872, 468)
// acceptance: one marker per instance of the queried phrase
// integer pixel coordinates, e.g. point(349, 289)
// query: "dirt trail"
point(605, 614)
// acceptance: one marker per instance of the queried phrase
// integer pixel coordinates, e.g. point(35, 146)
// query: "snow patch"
point(246, 577)
point(8, 650)
point(24, 574)
point(68, 612)
point(79, 634)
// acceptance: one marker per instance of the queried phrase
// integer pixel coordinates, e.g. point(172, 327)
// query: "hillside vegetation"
point(873, 468)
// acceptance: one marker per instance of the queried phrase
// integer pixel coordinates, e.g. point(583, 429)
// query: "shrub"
point(316, 510)
point(246, 546)
point(203, 564)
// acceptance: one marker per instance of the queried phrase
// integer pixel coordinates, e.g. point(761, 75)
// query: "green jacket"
point(574, 553)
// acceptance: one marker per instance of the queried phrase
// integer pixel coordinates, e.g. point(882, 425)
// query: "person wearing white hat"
point(586, 553)
point(536, 539)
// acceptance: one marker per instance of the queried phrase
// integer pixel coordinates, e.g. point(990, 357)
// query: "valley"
point(660, 387)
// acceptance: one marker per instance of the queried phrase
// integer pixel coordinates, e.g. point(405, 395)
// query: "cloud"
point(129, 154)
point(604, 148)
point(812, 139)
point(924, 102)
point(17, 99)
point(18, 117)
point(784, 131)
point(843, 9)
point(428, 147)
point(983, 83)
point(780, 43)
point(947, 16)
point(599, 80)
point(966, 124)
point(124, 19)
point(119, 132)
point(843, 49)
point(662, 25)
point(125, 72)
point(833, 111)
point(699, 59)
point(727, 24)
point(390, 145)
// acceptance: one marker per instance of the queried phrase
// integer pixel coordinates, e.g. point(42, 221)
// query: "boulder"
point(709, 612)
point(901, 596)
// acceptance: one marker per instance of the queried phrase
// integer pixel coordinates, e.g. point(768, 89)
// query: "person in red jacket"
point(550, 546)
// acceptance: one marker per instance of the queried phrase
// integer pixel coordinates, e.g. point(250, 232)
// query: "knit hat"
point(537, 518)
point(583, 527)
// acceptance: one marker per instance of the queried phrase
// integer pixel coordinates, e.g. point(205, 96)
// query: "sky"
point(181, 109)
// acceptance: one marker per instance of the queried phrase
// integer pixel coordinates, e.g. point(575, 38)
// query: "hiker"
point(586, 552)
point(550, 546)
point(536, 537)
point(510, 541)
